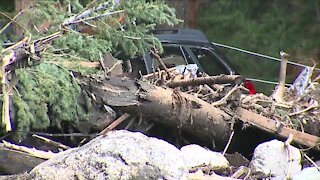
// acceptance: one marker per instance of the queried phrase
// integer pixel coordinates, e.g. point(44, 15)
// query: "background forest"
point(261, 26)
point(265, 27)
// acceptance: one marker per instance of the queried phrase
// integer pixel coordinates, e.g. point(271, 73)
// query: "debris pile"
point(86, 106)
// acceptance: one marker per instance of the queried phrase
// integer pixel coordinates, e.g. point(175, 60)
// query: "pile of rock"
point(132, 155)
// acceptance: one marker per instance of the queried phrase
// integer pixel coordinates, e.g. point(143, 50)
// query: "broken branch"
point(114, 124)
point(49, 141)
point(221, 79)
point(278, 95)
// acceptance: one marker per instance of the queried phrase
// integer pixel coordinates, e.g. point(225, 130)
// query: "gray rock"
point(270, 159)
point(195, 156)
point(309, 173)
point(119, 155)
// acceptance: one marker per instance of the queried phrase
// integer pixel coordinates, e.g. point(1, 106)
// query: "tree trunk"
point(162, 105)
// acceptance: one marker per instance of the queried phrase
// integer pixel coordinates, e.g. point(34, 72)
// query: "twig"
point(9, 23)
point(210, 90)
point(87, 13)
point(247, 176)
point(131, 37)
point(96, 17)
point(130, 123)
point(49, 38)
point(13, 20)
point(283, 104)
point(287, 146)
point(240, 172)
point(301, 126)
point(49, 141)
point(224, 99)
point(20, 43)
point(114, 124)
point(114, 65)
point(309, 159)
point(31, 151)
point(314, 105)
point(198, 91)
point(228, 144)
point(64, 135)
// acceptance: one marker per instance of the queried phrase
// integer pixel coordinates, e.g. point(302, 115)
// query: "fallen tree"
point(163, 105)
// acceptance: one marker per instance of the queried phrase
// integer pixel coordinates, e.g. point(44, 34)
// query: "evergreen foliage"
point(126, 30)
point(47, 94)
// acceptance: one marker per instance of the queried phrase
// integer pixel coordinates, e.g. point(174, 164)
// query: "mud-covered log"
point(221, 79)
point(270, 125)
point(162, 105)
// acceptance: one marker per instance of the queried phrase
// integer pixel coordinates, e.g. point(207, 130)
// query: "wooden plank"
point(270, 125)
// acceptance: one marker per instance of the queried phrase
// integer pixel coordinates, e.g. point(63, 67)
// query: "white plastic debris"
point(186, 69)
point(302, 81)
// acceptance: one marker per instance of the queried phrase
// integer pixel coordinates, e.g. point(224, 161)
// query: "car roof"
point(180, 35)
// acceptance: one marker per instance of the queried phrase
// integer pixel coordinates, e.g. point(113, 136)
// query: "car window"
point(172, 56)
point(209, 62)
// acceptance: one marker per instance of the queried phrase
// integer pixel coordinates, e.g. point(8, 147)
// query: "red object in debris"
point(249, 85)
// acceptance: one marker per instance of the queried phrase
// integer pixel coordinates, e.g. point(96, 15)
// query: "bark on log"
point(221, 79)
point(162, 105)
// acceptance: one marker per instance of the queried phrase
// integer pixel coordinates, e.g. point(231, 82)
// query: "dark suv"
point(189, 46)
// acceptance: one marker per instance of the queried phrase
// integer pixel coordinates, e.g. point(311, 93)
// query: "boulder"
point(270, 159)
point(310, 173)
point(197, 156)
point(119, 155)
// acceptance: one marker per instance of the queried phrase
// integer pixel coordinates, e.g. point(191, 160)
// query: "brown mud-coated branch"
point(221, 79)
point(270, 125)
